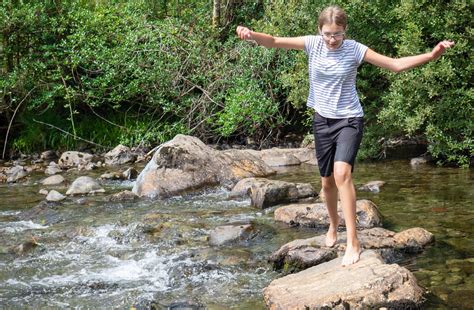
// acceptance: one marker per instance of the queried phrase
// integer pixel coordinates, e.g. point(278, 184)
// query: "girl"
point(338, 122)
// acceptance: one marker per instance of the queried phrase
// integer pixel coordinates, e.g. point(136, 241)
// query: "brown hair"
point(332, 14)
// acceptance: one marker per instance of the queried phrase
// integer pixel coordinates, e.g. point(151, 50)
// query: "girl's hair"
point(332, 14)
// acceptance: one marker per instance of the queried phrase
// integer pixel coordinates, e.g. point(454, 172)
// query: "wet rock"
point(418, 161)
point(461, 299)
point(293, 258)
point(119, 155)
point(266, 193)
point(49, 155)
point(53, 180)
point(44, 213)
point(187, 164)
point(123, 196)
point(231, 234)
point(43, 191)
point(316, 215)
point(53, 168)
point(3, 177)
point(372, 186)
point(241, 189)
point(24, 248)
point(55, 196)
point(379, 239)
point(84, 185)
point(278, 157)
point(370, 283)
point(16, 173)
point(129, 174)
point(110, 176)
point(72, 159)
point(465, 265)
point(414, 239)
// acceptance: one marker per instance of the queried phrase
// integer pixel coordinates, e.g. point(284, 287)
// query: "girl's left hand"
point(440, 48)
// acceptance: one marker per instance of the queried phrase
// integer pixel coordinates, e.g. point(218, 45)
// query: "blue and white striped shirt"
point(332, 77)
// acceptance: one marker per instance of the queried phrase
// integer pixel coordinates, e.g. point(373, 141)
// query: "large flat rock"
point(370, 283)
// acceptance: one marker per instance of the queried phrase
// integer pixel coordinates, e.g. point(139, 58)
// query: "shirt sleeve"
point(309, 43)
point(359, 52)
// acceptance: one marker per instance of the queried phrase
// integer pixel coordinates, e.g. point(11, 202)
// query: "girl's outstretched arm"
point(405, 63)
point(296, 43)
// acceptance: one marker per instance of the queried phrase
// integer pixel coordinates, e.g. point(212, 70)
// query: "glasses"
point(336, 35)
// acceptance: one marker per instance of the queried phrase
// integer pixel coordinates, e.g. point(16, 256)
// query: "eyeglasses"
point(336, 35)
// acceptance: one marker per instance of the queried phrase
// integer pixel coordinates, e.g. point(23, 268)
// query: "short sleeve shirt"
point(332, 77)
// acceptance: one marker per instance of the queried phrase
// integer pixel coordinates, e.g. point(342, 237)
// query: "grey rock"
point(372, 186)
point(84, 185)
point(48, 155)
point(44, 213)
point(123, 196)
point(231, 234)
point(267, 193)
point(370, 283)
point(53, 168)
point(16, 173)
point(129, 174)
point(72, 159)
point(187, 164)
point(119, 155)
point(315, 214)
point(55, 196)
point(53, 180)
point(418, 161)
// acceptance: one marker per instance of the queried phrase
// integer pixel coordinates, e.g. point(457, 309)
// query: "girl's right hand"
point(244, 33)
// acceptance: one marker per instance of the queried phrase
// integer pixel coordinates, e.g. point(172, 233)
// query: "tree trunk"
point(216, 13)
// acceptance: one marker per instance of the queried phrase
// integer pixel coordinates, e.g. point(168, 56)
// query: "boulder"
point(75, 159)
point(278, 157)
point(419, 161)
point(129, 174)
point(242, 188)
point(53, 180)
point(231, 234)
point(16, 173)
point(301, 253)
point(44, 213)
point(48, 155)
point(316, 215)
point(372, 186)
point(55, 196)
point(186, 164)
point(119, 155)
point(266, 193)
point(84, 185)
point(368, 284)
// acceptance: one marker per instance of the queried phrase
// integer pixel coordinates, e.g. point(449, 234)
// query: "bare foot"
point(352, 255)
point(331, 236)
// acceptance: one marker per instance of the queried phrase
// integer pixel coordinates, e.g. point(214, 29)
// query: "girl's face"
point(333, 35)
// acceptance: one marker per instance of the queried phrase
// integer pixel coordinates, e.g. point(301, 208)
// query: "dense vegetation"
point(103, 72)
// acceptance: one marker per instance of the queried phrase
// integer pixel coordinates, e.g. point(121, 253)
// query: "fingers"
point(244, 33)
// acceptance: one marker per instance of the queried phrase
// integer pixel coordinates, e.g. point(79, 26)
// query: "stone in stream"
point(71, 159)
point(44, 213)
point(53, 180)
point(294, 255)
point(372, 186)
point(187, 164)
point(84, 185)
point(123, 196)
point(16, 173)
point(267, 193)
point(231, 234)
point(48, 155)
point(278, 157)
point(368, 284)
point(55, 196)
point(53, 168)
point(316, 215)
point(120, 155)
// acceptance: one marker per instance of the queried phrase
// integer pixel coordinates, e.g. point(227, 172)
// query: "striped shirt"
point(332, 77)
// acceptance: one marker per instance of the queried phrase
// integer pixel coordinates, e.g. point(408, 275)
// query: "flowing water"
point(93, 253)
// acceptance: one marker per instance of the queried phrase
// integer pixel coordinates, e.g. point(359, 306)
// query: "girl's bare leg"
point(343, 180)
point(330, 194)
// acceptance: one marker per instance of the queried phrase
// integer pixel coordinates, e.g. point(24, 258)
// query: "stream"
point(155, 253)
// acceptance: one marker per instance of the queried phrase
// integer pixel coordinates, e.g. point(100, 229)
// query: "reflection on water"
point(116, 255)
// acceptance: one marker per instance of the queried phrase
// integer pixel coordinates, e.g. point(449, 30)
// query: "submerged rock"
point(44, 213)
point(186, 164)
point(84, 185)
point(231, 234)
point(55, 196)
point(123, 196)
point(372, 186)
point(316, 215)
point(16, 173)
point(370, 283)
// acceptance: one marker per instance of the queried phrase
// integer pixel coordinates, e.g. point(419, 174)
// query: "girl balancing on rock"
point(338, 116)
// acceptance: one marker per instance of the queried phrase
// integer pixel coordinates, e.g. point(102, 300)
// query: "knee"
point(342, 176)
point(328, 183)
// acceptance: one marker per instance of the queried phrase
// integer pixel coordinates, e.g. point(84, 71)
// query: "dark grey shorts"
point(336, 140)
